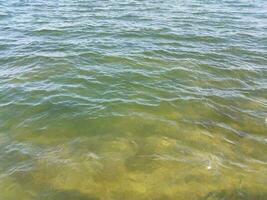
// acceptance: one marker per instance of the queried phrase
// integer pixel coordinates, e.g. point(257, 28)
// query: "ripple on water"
point(133, 100)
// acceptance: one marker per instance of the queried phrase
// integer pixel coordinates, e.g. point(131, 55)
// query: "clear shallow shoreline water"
point(133, 100)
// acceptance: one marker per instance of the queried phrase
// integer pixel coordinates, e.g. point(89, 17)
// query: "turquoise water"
point(116, 100)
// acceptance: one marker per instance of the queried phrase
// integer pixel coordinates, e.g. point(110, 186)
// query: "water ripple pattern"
point(135, 99)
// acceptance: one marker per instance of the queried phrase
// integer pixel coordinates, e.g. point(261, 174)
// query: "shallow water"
point(116, 100)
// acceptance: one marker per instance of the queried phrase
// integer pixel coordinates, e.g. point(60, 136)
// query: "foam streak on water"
point(133, 99)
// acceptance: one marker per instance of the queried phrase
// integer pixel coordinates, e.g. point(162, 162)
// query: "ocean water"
point(133, 99)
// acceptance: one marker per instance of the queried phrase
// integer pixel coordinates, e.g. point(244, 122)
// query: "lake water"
point(133, 100)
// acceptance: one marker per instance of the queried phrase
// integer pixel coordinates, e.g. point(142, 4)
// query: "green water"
point(133, 100)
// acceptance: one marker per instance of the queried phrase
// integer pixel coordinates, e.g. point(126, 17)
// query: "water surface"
point(115, 100)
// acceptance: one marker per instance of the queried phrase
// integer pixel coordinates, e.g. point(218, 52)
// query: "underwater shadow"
point(66, 195)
